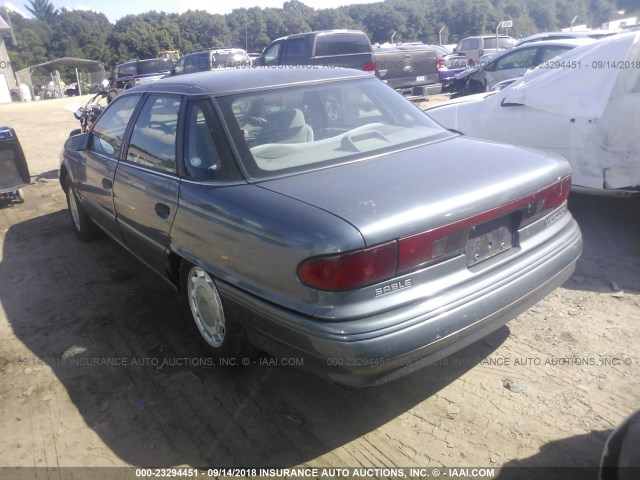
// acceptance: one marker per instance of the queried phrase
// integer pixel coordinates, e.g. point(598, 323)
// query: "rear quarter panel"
point(255, 239)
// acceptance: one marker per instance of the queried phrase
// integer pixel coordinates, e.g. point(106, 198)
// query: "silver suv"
point(475, 47)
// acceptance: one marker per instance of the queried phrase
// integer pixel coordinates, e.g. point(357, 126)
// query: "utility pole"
point(13, 35)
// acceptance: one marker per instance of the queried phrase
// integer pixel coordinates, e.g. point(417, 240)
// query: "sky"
point(115, 9)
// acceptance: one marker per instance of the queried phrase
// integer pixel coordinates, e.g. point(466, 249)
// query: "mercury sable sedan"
point(308, 212)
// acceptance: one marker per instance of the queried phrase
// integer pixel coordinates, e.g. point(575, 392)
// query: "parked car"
point(461, 84)
point(592, 34)
point(212, 59)
point(305, 211)
point(410, 69)
point(583, 105)
point(475, 47)
point(515, 62)
point(136, 72)
point(448, 65)
point(334, 48)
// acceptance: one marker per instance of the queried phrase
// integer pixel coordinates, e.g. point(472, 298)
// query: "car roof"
point(138, 60)
point(574, 42)
point(566, 35)
point(321, 32)
point(570, 42)
point(228, 81)
point(486, 36)
point(216, 49)
point(213, 50)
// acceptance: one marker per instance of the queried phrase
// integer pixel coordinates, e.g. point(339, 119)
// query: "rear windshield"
point(295, 129)
point(230, 60)
point(157, 65)
point(490, 43)
point(341, 44)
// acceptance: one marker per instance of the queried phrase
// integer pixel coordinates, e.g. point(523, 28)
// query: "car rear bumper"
point(355, 353)
point(420, 92)
point(448, 76)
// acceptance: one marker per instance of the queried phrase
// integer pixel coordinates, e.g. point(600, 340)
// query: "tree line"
point(54, 33)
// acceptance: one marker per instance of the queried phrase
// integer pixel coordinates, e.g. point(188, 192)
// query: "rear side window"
point(490, 43)
point(191, 63)
point(205, 154)
point(550, 52)
point(128, 70)
point(341, 44)
point(470, 44)
point(153, 141)
point(294, 51)
point(154, 66)
point(108, 131)
point(230, 60)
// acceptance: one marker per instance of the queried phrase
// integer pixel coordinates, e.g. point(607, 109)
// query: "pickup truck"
point(135, 72)
point(410, 69)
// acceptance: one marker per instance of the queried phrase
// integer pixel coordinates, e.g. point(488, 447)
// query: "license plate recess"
point(489, 239)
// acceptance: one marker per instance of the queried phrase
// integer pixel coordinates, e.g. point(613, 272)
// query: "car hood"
point(421, 188)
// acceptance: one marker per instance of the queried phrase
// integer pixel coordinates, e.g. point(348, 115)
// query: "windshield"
point(230, 60)
point(294, 129)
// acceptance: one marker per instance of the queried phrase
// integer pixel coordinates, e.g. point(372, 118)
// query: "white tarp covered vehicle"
point(583, 105)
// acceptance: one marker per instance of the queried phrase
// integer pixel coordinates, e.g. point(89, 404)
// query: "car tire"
point(83, 226)
point(219, 334)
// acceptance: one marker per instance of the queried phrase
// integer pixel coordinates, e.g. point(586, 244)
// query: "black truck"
point(410, 69)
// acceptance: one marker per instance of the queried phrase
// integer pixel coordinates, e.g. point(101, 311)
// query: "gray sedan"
point(515, 62)
point(308, 212)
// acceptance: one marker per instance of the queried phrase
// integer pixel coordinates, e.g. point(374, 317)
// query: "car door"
point(97, 165)
point(146, 183)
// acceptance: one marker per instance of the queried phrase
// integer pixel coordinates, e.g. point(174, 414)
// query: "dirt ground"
point(91, 372)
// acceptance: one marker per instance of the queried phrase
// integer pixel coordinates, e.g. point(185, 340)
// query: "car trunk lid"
point(423, 188)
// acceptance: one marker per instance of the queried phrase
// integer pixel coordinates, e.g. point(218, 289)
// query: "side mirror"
point(77, 142)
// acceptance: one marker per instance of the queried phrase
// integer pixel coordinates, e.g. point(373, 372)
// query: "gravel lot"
point(544, 391)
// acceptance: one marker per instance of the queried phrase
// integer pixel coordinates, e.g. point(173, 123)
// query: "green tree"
point(42, 10)
point(200, 30)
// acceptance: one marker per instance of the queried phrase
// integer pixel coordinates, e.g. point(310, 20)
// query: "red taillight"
point(439, 63)
point(424, 248)
point(369, 67)
point(347, 271)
